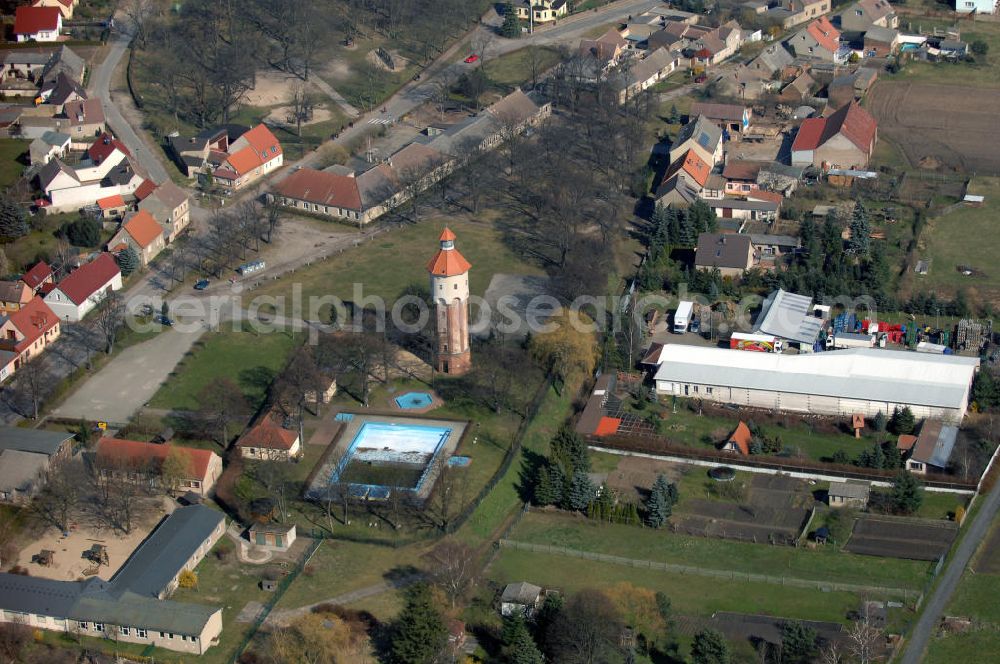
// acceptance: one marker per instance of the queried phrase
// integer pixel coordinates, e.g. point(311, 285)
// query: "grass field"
point(984, 72)
point(965, 237)
point(12, 160)
point(396, 261)
point(824, 564)
point(689, 428)
point(514, 69)
point(339, 567)
point(689, 595)
point(249, 359)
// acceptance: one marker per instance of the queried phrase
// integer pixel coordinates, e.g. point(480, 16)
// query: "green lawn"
point(939, 505)
point(340, 566)
point(700, 596)
point(396, 261)
point(249, 359)
point(688, 428)
point(13, 159)
point(501, 502)
point(963, 238)
point(513, 69)
point(824, 564)
point(971, 646)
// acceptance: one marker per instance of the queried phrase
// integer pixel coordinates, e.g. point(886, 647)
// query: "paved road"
point(100, 87)
point(934, 606)
point(129, 381)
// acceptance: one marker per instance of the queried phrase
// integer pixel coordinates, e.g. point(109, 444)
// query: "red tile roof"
point(447, 235)
point(741, 438)
point(809, 135)
point(322, 188)
point(762, 195)
point(144, 190)
point(37, 275)
point(448, 262)
point(86, 280)
point(268, 434)
point(693, 165)
point(135, 454)
point(104, 146)
point(262, 147)
point(32, 320)
point(905, 442)
point(739, 169)
point(30, 20)
point(827, 36)
point(852, 121)
point(143, 228)
point(111, 202)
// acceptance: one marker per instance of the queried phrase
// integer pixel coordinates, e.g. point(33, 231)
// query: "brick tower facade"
point(450, 290)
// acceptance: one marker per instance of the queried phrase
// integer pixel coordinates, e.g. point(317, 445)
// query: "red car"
point(472, 58)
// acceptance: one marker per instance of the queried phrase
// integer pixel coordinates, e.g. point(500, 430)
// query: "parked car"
point(472, 58)
point(164, 321)
point(201, 284)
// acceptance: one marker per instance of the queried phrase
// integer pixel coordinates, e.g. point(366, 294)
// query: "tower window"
point(456, 287)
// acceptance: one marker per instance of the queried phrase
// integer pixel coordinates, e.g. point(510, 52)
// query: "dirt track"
point(940, 126)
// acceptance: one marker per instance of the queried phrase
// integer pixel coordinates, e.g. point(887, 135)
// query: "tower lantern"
point(450, 292)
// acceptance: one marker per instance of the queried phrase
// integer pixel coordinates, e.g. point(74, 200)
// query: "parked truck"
point(682, 317)
point(850, 340)
point(761, 343)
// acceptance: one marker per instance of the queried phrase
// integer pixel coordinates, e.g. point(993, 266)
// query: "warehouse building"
point(837, 383)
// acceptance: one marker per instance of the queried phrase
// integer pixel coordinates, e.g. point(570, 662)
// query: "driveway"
point(129, 381)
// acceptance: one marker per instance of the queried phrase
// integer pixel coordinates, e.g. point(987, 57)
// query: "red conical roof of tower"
point(448, 262)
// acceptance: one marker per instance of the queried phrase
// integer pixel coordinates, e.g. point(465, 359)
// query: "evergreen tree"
point(879, 422)
point(419, 633)
point(84, 233)
point(878, 457)
point(840, 456)
point(664, 606)
point(907, 493)
point(861, 229)
point(709, 647)
point(581, 492)
point(13, 220)
point(511, 28)
point(798, 643)
point(604, 504)
point(674, 117)
point(83, 433)
point(569, 449)
point(518, 646)
point(550, 485)
point(985, 391)
point(902, 421)
point(128, 261)
point(893, 457)
point(657, 510)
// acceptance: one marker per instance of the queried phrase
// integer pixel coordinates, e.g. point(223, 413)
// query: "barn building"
point(836, 383)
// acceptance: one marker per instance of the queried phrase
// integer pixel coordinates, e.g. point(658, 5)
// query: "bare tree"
point(108, 318)
point(60, 498)
point(118, 487)
point(31, 385)
point(301, 104)
point(832, 654)
point(272, 215)
point(222, 407)
point(865, 639)
point(139, 13)
point(275, 477)
point(453, 568)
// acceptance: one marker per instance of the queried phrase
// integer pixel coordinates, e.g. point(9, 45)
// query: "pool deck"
point(350, 430)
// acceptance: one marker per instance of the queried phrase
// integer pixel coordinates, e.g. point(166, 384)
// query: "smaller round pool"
point(413, 400)
point(722, 474)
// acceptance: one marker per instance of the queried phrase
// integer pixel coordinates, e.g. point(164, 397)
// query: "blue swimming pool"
point(414, 400)
point(390, 454)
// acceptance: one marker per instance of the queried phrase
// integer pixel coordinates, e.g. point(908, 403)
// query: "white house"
point(106, 171)
point(40, 24)
point(84, 288)
point(977, 6)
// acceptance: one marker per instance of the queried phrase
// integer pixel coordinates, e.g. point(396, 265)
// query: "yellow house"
point(542, 11)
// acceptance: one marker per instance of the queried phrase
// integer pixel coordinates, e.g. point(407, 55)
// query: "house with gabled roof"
point(168, 204)
point(73, 297)
point(739, 441)
point(107, 169)
point(844, 140)
point(25, 334)
point(647, 72)
point(731, 255)
point(13, 296)
point(865, 14)
point(701, 135)
point(683, 180)
point(541, 11)
point(37, 276)
point(130, 608)
point(138, 461)
point(321, 192)
point(60, 90)
point(251, 156)
point(142, 233)
point(819, 40)
point(65, 7)
point(47, 147)
point(268, 440)
point(40, 24)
